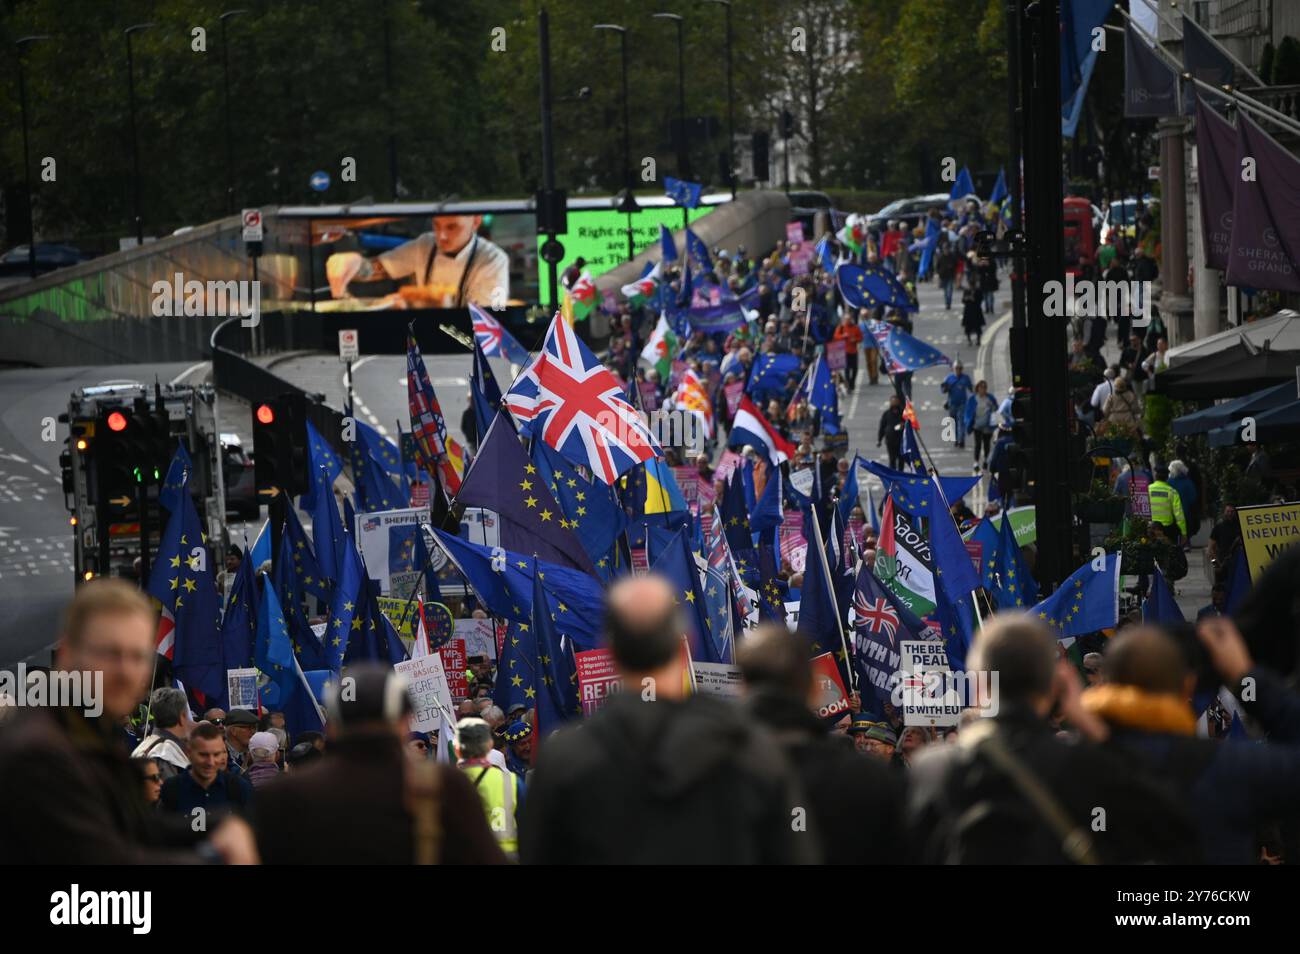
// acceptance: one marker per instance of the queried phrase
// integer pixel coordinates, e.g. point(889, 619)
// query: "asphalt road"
point(36, 575)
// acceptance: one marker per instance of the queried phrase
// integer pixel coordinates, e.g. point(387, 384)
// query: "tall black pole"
point(135, 145)
point(1015, 120)
point(388, 87)
point(627, 148)
point(1040, 64)
point(548, 143)
point(731, 112)
point(27, 157)
point(230, 141)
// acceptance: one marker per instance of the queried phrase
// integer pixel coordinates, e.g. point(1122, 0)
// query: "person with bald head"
point(660, 776)
point(854, 805)
point(1012, 791)
point(1231, 790)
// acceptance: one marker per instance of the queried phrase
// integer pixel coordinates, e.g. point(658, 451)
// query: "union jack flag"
point(428, 428)
point(493, 338)
point(876, 615)
point(569, 399)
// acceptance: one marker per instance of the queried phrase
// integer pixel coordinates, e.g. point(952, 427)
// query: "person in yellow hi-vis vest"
point(501, 791)
point(1167, 506)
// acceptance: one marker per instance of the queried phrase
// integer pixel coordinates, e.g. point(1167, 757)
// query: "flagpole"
point(830, 586)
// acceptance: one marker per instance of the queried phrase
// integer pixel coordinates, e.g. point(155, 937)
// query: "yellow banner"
point(1266, 531)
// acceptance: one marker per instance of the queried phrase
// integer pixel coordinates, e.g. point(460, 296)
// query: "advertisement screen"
point(600, 235)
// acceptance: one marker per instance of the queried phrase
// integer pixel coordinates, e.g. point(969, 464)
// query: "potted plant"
point(1114, 439)
point(1141, 544)
point(1101, 504)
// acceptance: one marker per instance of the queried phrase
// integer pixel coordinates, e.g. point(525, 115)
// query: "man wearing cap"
point(240, 726)
point(501, 791)
point(367, 802)
point(873, 738)
point(263, 749)
point(519, 757)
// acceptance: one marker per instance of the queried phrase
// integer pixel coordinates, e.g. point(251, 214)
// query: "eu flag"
point(767, 377)
point(822, 396)
point(174, 486)
point(485, 394)
point(1015, 588)
point(502, 581)
point(902, 351)
point(306, 568)
point(820, 620)
point(1086, 602)
point(769, 512)
point(287, 689)
point(735, 514)
point(320, 457)
point(239, 623)
point(698, 252)
point(504, 480)
point(1160, 606)
point(558, 695)
point(287, 575)
point(912, 492)
point(347, 608)
point(870, 286)
point(181, 580)
point(953, 572)
point(999, 188)
point(590, 506)
point(677, 565)
point(326, 527)
point(683, 193)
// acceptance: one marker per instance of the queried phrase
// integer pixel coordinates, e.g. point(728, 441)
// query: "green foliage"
point(1286, 62)
point(1266, 62)
point(881, 91)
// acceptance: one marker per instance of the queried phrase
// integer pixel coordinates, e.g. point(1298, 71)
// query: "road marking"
point(989, 335)
point(187, 372)
point(40, 470)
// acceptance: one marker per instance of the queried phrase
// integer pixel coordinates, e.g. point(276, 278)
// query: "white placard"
point(428, 690)
point(479, 635)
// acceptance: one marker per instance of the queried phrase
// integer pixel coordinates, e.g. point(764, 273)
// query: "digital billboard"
point(600, 235)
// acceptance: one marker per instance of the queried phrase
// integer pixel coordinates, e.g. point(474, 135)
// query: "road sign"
point(319, 181)
point(252, 219)
point(349, 347)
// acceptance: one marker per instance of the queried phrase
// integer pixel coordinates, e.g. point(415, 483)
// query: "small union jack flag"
point(570, 400)
point(876, 615)
point(493, 338)
point(428, 428)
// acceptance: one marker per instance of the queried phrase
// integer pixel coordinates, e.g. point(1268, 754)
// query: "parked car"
point(48, 258)
point(913, 210)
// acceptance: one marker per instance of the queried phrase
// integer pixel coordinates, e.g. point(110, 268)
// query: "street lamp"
point(230, 145)
point(27, 160)
point(683, 150)
point(628, 203)
point(731, 100)
point(135, 145)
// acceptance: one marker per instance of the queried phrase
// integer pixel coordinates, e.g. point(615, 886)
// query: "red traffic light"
point(265, 414)
point(117, 421)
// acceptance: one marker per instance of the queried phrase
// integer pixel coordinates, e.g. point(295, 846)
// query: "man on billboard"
point(450, 267)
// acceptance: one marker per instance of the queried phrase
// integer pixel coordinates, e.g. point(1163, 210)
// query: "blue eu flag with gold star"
point(181, 580)
point(677, 565)
point(1014, 587)
point(870, 286)
point(1086, 602)
point(285, 688)
point(769, 374)
point(590, 506)
point(320, 458)
point(504, 480)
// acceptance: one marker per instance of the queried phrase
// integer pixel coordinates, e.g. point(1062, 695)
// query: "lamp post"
point(135, 145)
point(628, 204)
point(230, 144)
point(27, 159)
point(731, 104)
point(683, 149)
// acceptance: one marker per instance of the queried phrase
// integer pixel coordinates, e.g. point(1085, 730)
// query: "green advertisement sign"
point(600, 235)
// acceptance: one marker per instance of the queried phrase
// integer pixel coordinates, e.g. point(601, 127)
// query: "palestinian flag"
point(643, 289)
point(903, 561)
point(580, 299)
point(660, 350)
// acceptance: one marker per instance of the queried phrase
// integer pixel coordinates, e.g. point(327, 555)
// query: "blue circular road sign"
point(320, 180)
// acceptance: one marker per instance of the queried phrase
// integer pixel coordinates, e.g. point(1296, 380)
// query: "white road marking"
point(187, 372)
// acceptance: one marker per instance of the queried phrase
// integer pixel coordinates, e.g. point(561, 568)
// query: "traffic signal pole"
point(1041, 107)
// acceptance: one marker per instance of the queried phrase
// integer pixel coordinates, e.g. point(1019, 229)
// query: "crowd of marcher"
point(660, 775)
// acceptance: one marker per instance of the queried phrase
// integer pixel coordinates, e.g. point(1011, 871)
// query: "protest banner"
point(830, 698)
point(386, 541)
point(1266, 531)
point(454, 661)
point(241, 685)
point(835, 355)
point(1139, 496)
point(717, 679)
point(927, 694)
point(479, 636)
point(430, 692)
point(598, 678)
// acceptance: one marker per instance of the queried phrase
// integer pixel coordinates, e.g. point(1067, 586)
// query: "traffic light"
point(122, 455)
point(1020, 451)
point(280, 446)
